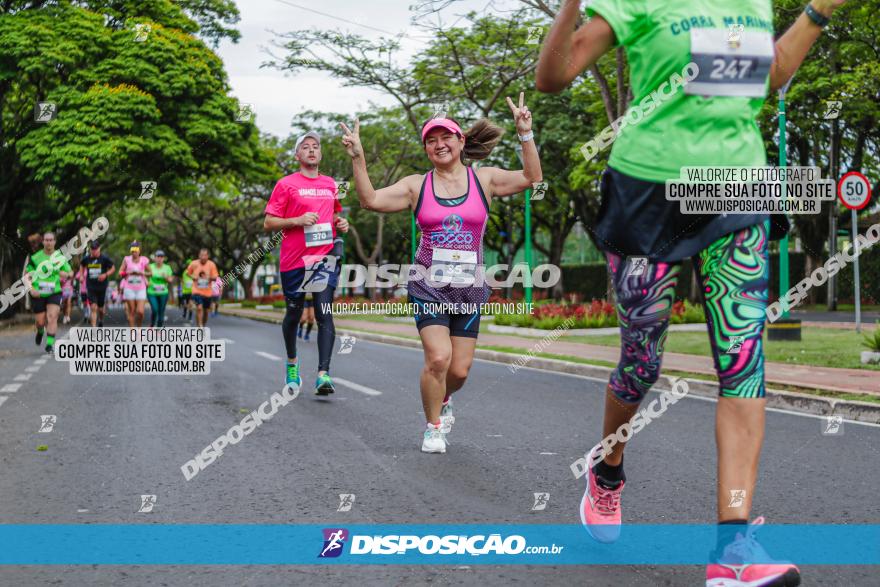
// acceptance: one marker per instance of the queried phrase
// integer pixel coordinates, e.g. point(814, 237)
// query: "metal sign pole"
point(855, 226)
point(854, 191)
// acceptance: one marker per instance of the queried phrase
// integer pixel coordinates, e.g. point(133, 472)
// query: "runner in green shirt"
point(186, 284)
point(699, 71)
point(45, 269)
point(161, 276)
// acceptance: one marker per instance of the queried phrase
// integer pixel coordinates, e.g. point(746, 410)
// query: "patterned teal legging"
point(733, 273)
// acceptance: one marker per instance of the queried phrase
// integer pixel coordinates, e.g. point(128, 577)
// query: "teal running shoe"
point(324, 385)
point(293, 378)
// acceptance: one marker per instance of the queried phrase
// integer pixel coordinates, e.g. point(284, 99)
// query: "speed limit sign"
point(854, 190)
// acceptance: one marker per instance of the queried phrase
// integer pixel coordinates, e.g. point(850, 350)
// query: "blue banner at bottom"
point(358, 544)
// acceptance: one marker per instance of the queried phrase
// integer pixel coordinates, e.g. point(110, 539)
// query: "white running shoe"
point(447, 419)
point(433, 440)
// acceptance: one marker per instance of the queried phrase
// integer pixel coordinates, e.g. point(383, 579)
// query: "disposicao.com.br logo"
point(394, 544)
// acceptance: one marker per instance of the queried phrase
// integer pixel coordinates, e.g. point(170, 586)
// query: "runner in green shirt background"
point(45, 269)
point(161, 277)
point(186, 284)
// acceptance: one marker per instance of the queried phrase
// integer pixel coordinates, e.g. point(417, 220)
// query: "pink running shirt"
point(136, 282)
point(293, 196)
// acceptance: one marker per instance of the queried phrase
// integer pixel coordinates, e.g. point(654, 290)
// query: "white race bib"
point(319, 234)
point(203, 282)
point(94, 272)
point(731, 63)
point(159, 288)
point(47, 287)
point(134, 280)
point(451, 266)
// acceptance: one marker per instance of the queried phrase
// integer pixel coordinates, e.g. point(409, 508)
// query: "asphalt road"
point(118, 437)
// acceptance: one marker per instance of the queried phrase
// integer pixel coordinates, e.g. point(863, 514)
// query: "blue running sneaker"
point(293, 377)
point(324, 385)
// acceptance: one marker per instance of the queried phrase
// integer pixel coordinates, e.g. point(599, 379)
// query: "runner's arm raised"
point(568, 51)
point(501, 182)
point(394, 198)
point(793, 46)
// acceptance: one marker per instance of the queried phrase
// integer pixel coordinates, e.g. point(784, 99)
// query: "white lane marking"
point(226, 340)
point(547, 453)
point(604, 381)
point(357, 386)
point(269, 356)
point(40, 362)
point(3, 398)
point(10, 388)
point(23, 376)
point(688, 396)
point(31, 369)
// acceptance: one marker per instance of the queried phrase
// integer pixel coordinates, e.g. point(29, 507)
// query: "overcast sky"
point(278, 96)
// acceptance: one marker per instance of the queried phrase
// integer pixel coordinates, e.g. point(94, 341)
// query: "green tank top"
point(158, 284)
point(186, 282)
point(46, 278)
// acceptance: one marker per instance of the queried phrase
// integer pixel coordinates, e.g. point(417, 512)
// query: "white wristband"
point(526, 137)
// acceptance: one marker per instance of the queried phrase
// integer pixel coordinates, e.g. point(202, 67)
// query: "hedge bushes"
point(596, 314)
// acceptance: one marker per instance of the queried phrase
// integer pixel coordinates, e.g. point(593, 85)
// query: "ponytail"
point(480, 139)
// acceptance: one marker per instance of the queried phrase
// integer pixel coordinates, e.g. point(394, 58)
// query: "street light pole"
point(528, 279)
point(785, 328)
point(783, 161)
point(528, 235)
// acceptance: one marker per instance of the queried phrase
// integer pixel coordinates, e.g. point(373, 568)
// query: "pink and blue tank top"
point(450, 250)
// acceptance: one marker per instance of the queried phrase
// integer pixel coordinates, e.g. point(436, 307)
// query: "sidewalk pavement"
point(822, 378)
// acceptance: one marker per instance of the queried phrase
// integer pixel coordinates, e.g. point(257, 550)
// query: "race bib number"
point(451, 266)
point(134, 280)
point(159, 288)
point(203, 282)
point(319, 234)
point(47, 287)
point(731, 62)
point(94, 272)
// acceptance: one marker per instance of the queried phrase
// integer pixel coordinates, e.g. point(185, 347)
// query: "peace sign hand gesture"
point(351, 139)
point(521, 115)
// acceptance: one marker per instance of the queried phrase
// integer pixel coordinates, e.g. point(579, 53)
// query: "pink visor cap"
point(449, 125)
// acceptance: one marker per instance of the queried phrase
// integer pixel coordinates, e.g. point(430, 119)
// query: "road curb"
point(19, 318)
point(788, 400)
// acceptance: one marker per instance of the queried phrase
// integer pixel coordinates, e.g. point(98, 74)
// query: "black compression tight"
point(326, 330)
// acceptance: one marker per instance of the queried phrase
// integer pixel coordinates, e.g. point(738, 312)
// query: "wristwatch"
point(526, 137)
point(820, 20)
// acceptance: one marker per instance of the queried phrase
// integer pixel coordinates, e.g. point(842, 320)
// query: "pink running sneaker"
point(600, 507)
point(745, 563)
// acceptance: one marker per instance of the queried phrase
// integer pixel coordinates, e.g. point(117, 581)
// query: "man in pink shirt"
point(306, 207)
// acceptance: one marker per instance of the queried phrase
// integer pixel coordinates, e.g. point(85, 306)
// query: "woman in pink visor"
point(451, 206)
